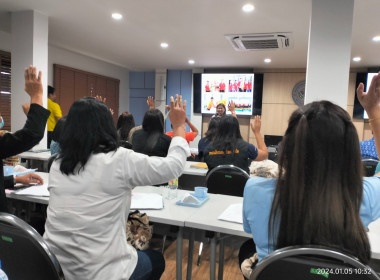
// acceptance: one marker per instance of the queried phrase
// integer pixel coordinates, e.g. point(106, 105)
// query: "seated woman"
point(90, 186)
point(125, 123)
point(228, 147)
point(151, 140)
point(56, 136)
point(210, 134)
point(320, 196)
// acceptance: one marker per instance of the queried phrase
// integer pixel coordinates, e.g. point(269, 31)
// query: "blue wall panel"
point(136, 79)
point(150, 79)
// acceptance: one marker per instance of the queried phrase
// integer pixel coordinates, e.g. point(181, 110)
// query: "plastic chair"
point(24, 254)
point(311, 262)
point(369, 166)
point(227, 179)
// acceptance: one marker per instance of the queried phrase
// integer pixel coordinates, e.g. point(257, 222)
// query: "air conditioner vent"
point(261, 41)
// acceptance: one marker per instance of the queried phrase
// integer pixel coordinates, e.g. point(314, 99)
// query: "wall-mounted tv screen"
point(365, 78)
point(223, 88)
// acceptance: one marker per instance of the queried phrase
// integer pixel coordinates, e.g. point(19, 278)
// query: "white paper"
point(39, 190)
point(147, 201)
point(233, 213)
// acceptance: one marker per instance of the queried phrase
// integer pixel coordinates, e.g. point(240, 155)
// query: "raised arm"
point(261, 147)
point(231, 107)
point(370, 101)
point(192, 127)
point(150, 102)
point(33, 131)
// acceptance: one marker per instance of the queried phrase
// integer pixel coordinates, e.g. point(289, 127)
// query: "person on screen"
point(207, 86)
point(230, 86)
point(318, 177)
point(33, 130)
point(222, 86)
point(249, 85)
point(228, 147)
point(235, 86)
point(90, 186)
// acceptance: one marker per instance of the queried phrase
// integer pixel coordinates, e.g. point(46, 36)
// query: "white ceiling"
point(194, 29)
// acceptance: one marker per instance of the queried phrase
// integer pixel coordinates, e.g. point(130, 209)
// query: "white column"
point(328, 61)
point(29, 47)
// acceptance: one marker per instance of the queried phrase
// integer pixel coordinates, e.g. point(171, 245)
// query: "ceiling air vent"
point(261, 41)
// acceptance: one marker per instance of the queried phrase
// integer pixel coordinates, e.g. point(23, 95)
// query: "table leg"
point(221, 259)
point(190, 254)
point(212, 257)
point(179, 254)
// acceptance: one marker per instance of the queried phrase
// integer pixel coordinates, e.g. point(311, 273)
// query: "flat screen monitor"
point(226, 87)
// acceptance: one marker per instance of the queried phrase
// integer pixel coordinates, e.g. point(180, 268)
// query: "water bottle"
point(3, 276)
point(173, 188)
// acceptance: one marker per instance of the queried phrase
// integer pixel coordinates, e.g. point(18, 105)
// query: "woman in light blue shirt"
point(320, 197)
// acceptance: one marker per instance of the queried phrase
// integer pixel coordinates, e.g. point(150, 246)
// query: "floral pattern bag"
point(139, 231)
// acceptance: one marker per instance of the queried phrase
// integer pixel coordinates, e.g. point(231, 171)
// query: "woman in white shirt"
point(90, 187)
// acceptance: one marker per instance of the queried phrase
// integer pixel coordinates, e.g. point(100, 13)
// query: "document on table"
point(233, 213)
point(147, 201)
point(38, 190)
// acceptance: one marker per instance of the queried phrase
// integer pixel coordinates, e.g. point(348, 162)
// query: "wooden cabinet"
point(72, 84)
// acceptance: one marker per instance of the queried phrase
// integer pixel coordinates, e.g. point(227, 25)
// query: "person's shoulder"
point(255, 182)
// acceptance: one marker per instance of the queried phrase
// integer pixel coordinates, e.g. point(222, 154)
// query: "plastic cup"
point(200, 192)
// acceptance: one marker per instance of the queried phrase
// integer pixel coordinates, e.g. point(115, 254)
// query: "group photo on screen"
point(224, 88)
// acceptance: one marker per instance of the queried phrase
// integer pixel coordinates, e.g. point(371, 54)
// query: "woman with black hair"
point(228, 147)
point(320, 196)
point(125, 123)
point(210, 134)
point(90, 186)
point(151, 140)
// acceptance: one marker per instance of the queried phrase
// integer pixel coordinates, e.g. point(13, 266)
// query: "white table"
point(172, 214)
point(40, 157)
point(206, 218)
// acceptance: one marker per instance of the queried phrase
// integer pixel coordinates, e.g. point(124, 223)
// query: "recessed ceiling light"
point(191, 61)
point(117, 16)
point(248, 8)
point(267, 60)
point(164, 45)
point(356, 59)
point(376, 39)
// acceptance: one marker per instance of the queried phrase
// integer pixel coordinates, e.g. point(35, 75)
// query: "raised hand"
point(33, 84)
point(177, 115)
point(256, 125)
point(370, 100)
point(150, 102)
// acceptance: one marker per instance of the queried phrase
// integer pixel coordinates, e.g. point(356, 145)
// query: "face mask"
point(2, 123)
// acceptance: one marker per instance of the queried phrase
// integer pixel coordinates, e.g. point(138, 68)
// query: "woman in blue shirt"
point(320, 196)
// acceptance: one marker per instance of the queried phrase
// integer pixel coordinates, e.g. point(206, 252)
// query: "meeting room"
point(195, 139)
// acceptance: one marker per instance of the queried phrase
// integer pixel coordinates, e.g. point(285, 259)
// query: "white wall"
point(85, 63)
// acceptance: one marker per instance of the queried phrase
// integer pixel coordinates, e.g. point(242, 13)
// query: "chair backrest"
point(227, 179)
point(24, 254)
point(369, 166)
point(311, 262)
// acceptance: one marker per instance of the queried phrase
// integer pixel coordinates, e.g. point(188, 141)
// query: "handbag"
point(139, 231)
